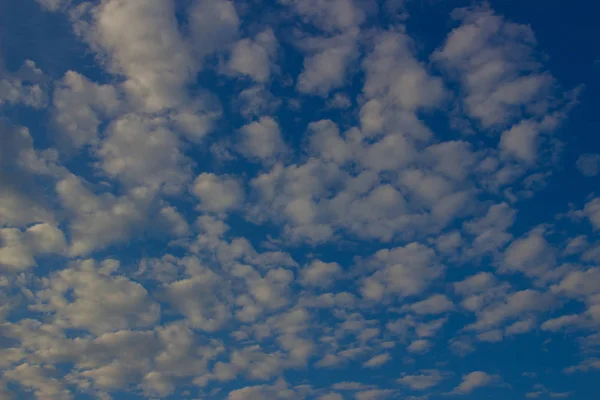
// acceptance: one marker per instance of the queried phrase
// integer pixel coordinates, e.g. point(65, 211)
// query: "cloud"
point(474, 380)
point(403, 271)
point(588, 164)
point(99, 302)
point(426, 380)
point(253, 57)
point(436, 304)
point(142, 42)
point(23, 86)
point(20, 248)
point(320, 274)
point(327, 62)
point(216, 193)
point(144, 152)
point(262, 140)
point(80, 105)
point(495, 62)
point(377, 361)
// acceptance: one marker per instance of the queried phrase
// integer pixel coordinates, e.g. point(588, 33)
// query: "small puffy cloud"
point(253, 57)
point(423, 381)
point(521, 141)
point(531, 255)
point(588, 164)
point(474, 380)
point(374, 394)
point(142, 151)
point(320, 274)
point(262, 140)
point(327, 63)
point(497, 85)
point(512, 306)
point(19, 248)
point(23, 86)
point(419, 346)
point(562, 322)
point(592, 212)
point(88, 295)
point(436, 304)
point(393, 73)
point(474, 284)
point(377, 361)
point(217, 193)
point(80, 105)
point(142, 42)
point(97, 221)
point(331, 396)
point(214, 25)
point(404, 271)
point(201, 299)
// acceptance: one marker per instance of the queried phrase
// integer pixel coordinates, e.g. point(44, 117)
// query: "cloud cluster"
point(289, 203)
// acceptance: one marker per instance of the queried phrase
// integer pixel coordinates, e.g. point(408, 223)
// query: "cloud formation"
point(302, 200)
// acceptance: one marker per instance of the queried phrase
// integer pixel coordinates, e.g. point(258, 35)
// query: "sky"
point(299, 199)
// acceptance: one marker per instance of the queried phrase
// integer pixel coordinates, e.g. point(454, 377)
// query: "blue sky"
point(299, 199)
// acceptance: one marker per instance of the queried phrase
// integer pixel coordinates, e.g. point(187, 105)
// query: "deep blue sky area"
point(299, 199)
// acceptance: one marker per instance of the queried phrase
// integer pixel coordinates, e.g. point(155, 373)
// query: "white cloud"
point(588, 164)
point(402, 271)
point(494, 61)
point(474, 380)
point(592, 212)
point(142, 151)
point(436, 304)
point(142, 42)
point(23, 86)
point(217, 193)
point(531, 255)
point(477, 283)
point(253, 57)
point(377, 361)
point(97, 221)
point(327, 62)
point(262, 140)
point(202, 299)
point(88, 295)
point(80, 105)
point(19, 248)
point(394, 74)
point(320, 274)
point(419, 346)
point(40, 380)
point(423, 381)
point(512, 306)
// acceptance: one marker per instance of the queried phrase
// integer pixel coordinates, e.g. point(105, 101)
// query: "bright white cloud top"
point(293, 199)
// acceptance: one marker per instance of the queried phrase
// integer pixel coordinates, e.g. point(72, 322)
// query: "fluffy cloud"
point(216, 193)
point(426, 380)
point(588, 164)
point(19, 248)
point(23, 86)
point(253, 57)
point(262, 140)
point(80, 105)
point(474, 380)
point(142, 42)
point(494, 61)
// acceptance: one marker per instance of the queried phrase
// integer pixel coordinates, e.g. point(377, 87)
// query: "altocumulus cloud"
point(293, 199)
